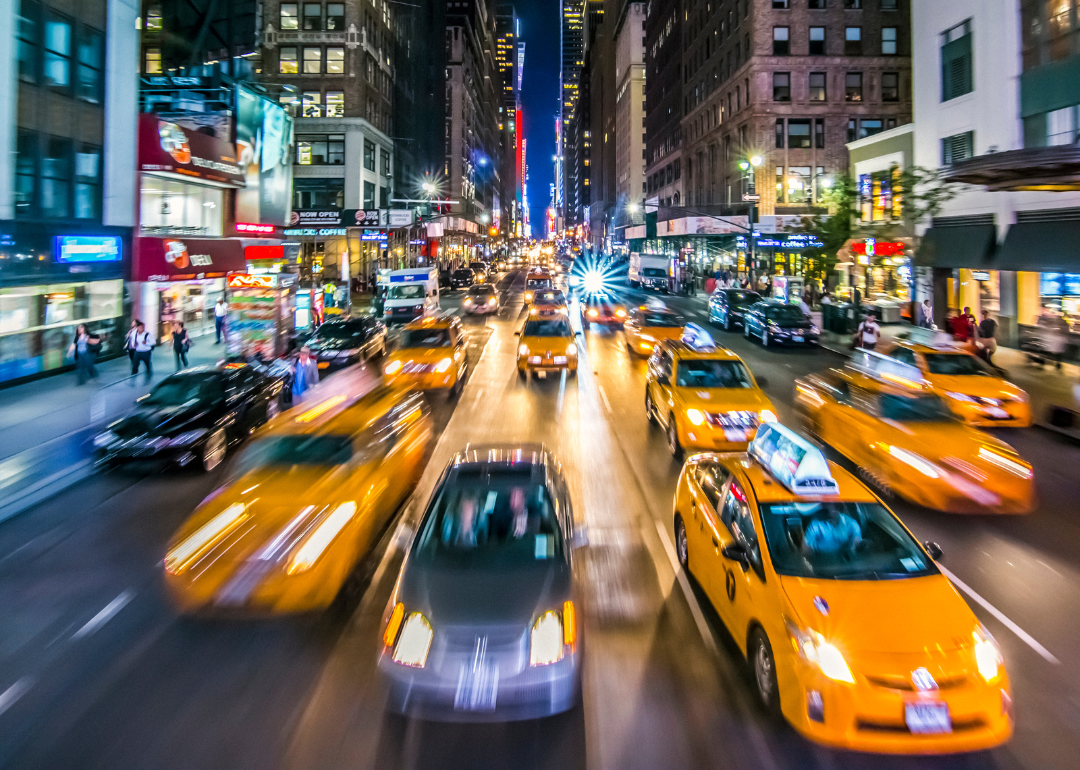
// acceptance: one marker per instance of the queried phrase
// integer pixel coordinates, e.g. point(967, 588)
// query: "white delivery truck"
point(410, 294)
point(649, 271)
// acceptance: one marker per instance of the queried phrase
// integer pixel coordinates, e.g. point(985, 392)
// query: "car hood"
point(422, 355)
point(336, 343)
point(557, 345)
point(663, 332)
point(975, 385)
point(458, 596)
point(724, 399)
point(164, 420)
point(910, 615)
point(935, 440)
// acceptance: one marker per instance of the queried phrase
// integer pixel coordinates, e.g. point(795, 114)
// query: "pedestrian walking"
point(129, 340)
point(986, 343)
point(84, 350)
point(181, 344)
point(926, 315)
point(220, 310)
point(144, 346)
point(305, 373)
point(867, 335)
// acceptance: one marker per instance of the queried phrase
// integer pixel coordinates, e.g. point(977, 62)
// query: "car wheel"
point(764, 667)
point(682, 551)
point(650, 409)
point(214, 449)
point(673, 438)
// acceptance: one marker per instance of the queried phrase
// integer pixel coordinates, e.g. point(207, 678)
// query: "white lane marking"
point(106, 614)
point(1025, 637)
point(13, 693)
point(688, 592)
point(603, 395)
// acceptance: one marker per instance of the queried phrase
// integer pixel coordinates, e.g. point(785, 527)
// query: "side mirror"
point(735, 552)
point(517, 334)
point(762, 382)
point(581, 537)
point(934, 550)
point(663, 380)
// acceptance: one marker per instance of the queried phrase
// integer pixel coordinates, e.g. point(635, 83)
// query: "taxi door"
point(702, 529)
point(663, 396)
point(742, 593)
point(632, 330)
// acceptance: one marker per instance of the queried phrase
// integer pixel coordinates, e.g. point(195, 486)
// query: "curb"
point(46, 488)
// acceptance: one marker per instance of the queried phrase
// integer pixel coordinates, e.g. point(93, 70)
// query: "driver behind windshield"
point(425, 338)
point(832, 533)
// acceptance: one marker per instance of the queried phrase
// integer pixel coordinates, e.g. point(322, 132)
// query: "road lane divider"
point(9, 696)
point(105, 615)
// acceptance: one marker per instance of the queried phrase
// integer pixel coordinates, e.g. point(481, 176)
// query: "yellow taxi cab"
point(971, 388)
point(703, 396)
point(548, 345)
point(430, 355)
point(881, 415)
point(550, 299)
point(850, 630)
point(648, 324)
point(301, 506)
point(537, 280)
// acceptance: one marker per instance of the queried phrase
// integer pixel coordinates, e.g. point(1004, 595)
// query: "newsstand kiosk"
point(261, 317)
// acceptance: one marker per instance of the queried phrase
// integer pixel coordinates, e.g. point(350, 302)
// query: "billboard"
point(168, 147)
point(264, 141)
point(86, 248)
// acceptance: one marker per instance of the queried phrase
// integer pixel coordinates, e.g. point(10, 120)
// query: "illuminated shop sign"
point(246, 227)
point(314, 232)
point(85, 248)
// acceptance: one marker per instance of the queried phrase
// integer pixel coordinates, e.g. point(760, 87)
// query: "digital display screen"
point(88, 248)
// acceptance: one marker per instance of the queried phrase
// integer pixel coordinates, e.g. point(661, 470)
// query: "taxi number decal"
point(729, 584)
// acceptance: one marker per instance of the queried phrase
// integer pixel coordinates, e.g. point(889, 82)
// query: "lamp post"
point(750, 196)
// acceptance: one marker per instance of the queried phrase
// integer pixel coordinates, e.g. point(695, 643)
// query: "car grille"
point(737, 419)
point(879, 726)
point(417, 368)
point(906, 685)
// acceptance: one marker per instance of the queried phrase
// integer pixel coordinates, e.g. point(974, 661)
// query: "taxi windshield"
point(538, 283)
point(926, 408)
point(712, 374)
point(668, 320)
point(490, 518)
point(407, 291)
point(550, 296)
point(425, 338)
point(955, 364)
point(282, 451)
point(841, 541)
point(554, 327)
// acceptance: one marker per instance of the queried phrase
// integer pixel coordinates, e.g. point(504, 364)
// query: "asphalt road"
point(96, 670)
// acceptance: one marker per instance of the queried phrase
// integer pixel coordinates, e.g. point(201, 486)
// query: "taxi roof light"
point(697, 337)
point(793, 461)
point(883, 368)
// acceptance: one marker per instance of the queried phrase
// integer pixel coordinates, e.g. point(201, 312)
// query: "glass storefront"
point(37, 323)
point(191, 302)
point(178, 207)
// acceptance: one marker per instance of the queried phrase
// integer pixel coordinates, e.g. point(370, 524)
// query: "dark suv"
point(726, 306)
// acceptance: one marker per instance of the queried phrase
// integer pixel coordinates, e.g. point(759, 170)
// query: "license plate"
point(477, 689)
point(324, 365)
point(542, 375)
point(928, 718)
point(997, 413)
point(797, 339)
point(734, 434)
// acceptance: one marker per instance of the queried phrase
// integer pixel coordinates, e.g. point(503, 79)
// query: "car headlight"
point(648, 337)
point(324, 534)
point(1018, 467)
point(186, 552)
point(959, 396)
point(528, 296)
point(414, 642)
point(813, 648)
point(523, 350)
point(546, 640)
point(187, 437)
point(696, 416)
point(105, 439)
point(393, 367)
point(571, 349)
point(922, 465)
point(814, 329)
point(620, 313)
point(767, 415)
point(987, 654)
point(492, 301)
point(593, 313)
point(443, 365)
point(468, 301)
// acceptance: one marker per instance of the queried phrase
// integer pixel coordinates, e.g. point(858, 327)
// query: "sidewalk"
point(46, 425)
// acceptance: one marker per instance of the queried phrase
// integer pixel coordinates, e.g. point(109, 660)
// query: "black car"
point(462, 279)
point(338, 344)
point(777, 323)
point(194, 415)
point(726, 306)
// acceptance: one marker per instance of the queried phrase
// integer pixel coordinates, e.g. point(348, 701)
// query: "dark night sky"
point(540, 97)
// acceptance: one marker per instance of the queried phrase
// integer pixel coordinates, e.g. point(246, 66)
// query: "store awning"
point(969, 247)
point(1042, 247)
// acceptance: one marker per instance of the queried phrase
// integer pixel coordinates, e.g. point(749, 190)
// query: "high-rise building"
point(572, 46)
point(663, 101)
point(630, 113)
point(510, 57)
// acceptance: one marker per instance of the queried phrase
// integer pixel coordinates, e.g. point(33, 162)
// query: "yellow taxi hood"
point(557, 345)
point(885, 616)
point(975, 385)
point(662, 332)
point(424, 355)
point(951, 438)
point(724, 399)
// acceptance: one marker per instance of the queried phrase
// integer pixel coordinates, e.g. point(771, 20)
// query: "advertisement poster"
point(264, 142)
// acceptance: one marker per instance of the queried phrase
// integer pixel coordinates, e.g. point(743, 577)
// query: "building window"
point(819, 133)
point(779, 184)
point(287, 61)
point(26, 174)
point(817, 41)
point(318, 193)
point(290, 16)
point(153, 61)
point(88, 182)
point(853, 41)
point(1061, 126)
point(28, 32)
point(57, 67)
point(320, 150)
point(780, 5)
point(781, 86)
point(853, 87)
point(888, 41)
point(312, 17)
point(852, 5)
point(335, 104)
point(384, 197)
point(869, 127)
point(90, 65)
point(890, 86)
point(369, 195)
point(956, 70)
point(384, 158)
point(852, 130)
point(957, 148)
point(311, 105)
point(798, 134)
point(335, 61)
point(781, 43)
point(817, 87)
point(56, 178)
point(369, 155)
point(335, 16)
point(780, 134)
point(799, 183)
point(313, 61)
point(889, 5)
point(816, 5)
